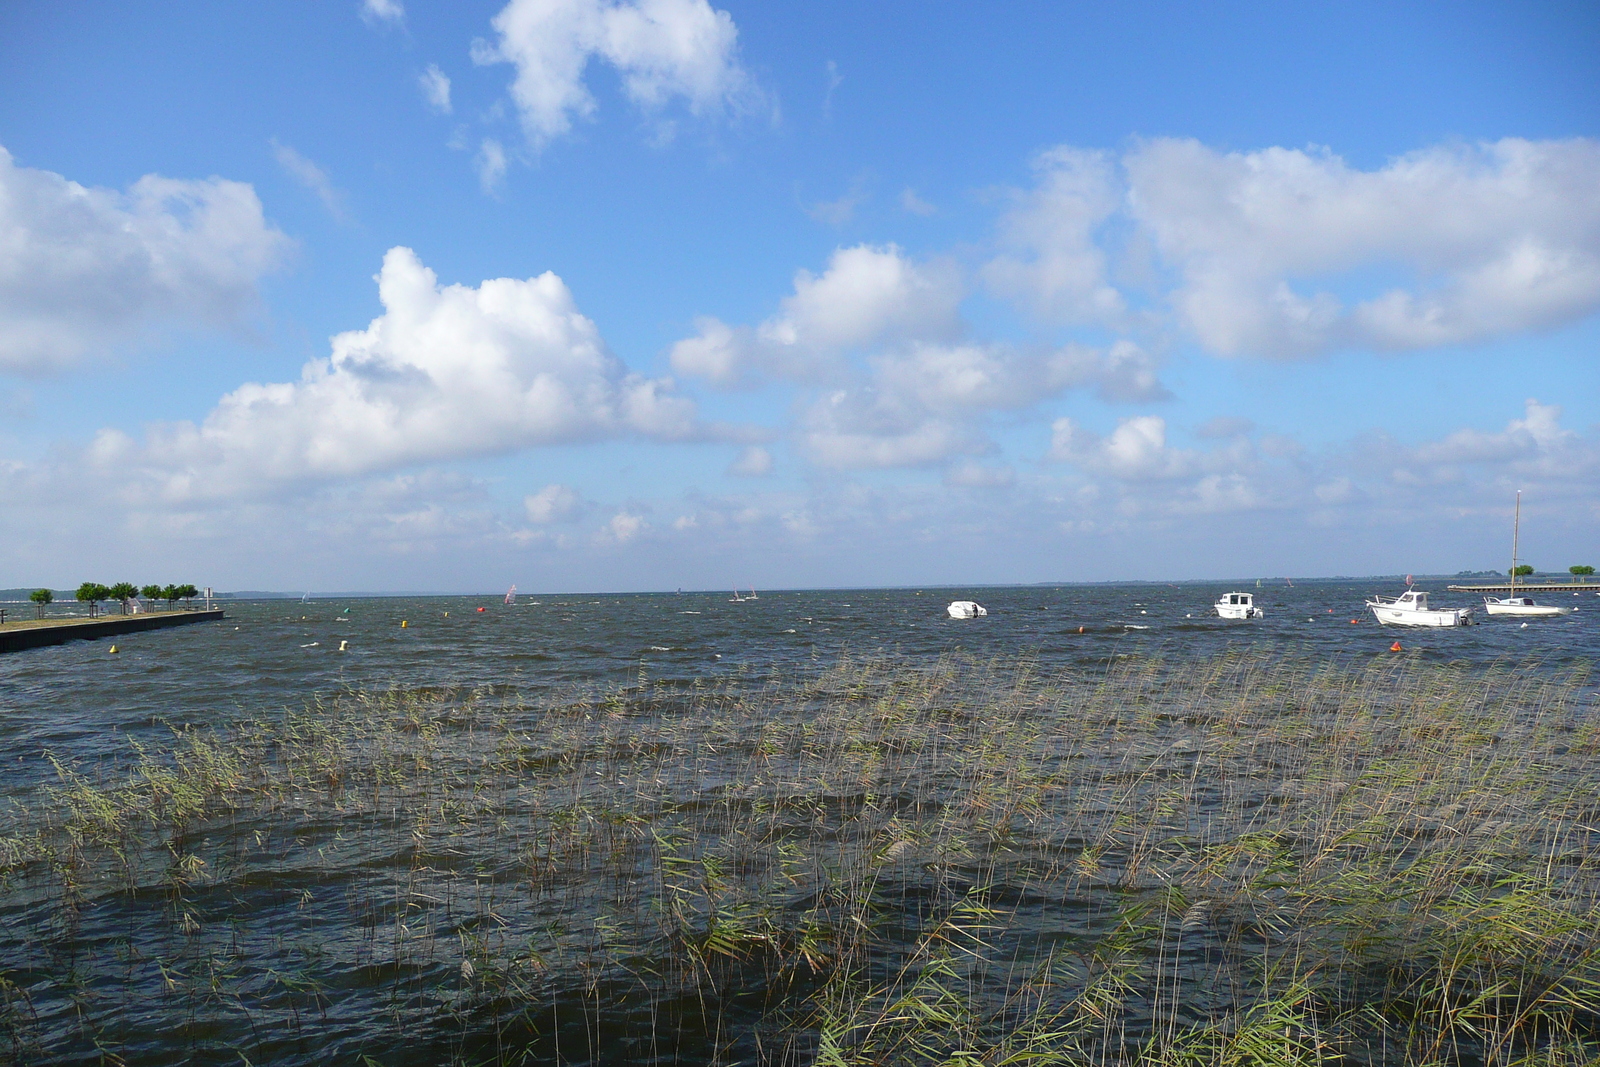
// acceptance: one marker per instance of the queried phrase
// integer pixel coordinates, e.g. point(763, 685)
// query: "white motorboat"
point(1411, 609)
point(966, 609)
point(1239, 606)
point(1523, 606)
point(1512, 604)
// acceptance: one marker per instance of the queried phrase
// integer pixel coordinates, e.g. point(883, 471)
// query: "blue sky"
point(685, 294)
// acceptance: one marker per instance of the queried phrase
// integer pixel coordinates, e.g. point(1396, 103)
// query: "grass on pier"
point(1237, 862)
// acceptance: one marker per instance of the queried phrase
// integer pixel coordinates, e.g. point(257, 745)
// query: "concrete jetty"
point(1528, 587)
point(16, 636)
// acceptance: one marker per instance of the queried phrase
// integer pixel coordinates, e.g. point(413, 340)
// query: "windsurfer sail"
point(511, 595)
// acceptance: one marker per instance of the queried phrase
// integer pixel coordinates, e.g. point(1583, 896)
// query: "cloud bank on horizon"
point(1054, 375)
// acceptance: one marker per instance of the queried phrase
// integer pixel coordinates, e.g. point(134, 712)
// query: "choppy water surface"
point(442, 877)
point(271, 654)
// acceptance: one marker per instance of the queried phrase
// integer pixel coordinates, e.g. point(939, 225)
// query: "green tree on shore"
point(124, 592)
point(92, 593)
point(40, 597)
point(187, 592)
point(1581, 571)
point(1522, 570)
point(151, 593)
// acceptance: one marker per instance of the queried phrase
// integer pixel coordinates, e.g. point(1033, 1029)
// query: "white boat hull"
point(965, 609)
point(1410, 617)
point(1526, 611)
point(1238, 606)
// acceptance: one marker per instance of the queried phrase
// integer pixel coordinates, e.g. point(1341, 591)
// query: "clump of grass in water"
point(1239, 861)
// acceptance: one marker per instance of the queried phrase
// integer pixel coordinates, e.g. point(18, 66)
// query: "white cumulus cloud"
point(1052, 261)
point(868, 295)
point(624, 527)
point(446, 372)
point(1286, 253)
point(663, 50)
point(904, 386)
point(435, 85)
point(753, 461)
point(83, 270)
point(1271, 246)
point(553, 503)
point(392, 12)
point(490, 164)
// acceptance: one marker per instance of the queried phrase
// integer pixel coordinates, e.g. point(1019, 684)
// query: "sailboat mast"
point(1516, 530)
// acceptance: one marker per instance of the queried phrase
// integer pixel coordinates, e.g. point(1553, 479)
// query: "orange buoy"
point(1080, 629)
point(480, 609)
point(1355, 622)
point(1395, 647)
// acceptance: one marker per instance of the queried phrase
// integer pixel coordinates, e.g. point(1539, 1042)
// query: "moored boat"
point(1411, 609)
point(1524, 606)
point(965, 609)
point(1238, 606)
point(1520, 606)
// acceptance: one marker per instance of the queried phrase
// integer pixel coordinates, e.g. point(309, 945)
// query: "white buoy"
point(344, 646)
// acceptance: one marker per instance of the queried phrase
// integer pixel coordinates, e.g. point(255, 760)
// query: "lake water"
point(274, 653)
point(286, 933)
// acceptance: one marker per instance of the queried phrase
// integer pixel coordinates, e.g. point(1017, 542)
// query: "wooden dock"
point(1527, 587)
point(16, 636)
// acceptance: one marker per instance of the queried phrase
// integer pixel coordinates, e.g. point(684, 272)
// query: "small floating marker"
point(447, 614)
point(404, 624)
point(480, 609)
point(1524, 626)
point(113, 648)
point(1395, 647)
point(1355, 622)
point(344, 646)
point(1080, 629)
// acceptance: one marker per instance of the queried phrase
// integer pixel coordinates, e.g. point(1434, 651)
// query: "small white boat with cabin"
point(1239, 606)
point(1411, 609)
point(1523, 606)
point(1512, 604)
point(966, 609)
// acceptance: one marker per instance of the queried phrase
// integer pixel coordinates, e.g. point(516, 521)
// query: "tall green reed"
point(1244, 860)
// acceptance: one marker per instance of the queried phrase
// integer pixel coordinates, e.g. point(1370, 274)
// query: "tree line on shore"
point(93, 594)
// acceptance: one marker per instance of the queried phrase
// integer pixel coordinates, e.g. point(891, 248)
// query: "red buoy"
point(1395, 647)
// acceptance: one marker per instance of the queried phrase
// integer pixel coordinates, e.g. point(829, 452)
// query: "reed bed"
point(1242, 861)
